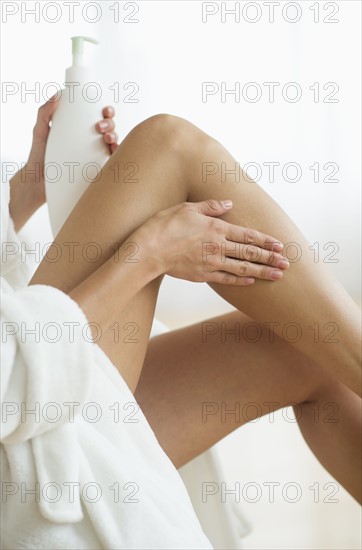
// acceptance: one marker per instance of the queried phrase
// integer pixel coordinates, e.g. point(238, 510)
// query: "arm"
point(27, 187)
point(176, 242)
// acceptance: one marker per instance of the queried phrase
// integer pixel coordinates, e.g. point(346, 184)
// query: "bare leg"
point(320, 316)
point(169, 153)
point(188, 384)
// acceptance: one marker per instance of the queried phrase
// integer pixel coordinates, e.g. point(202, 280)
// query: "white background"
point(169, 53)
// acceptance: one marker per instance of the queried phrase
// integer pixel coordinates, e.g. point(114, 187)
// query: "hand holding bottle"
point(26, 199)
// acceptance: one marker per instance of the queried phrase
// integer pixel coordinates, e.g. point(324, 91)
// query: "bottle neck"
point(77, 59)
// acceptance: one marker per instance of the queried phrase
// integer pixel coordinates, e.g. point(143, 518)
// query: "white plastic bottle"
point(75, 152)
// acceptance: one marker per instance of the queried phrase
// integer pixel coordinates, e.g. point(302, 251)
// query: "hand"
point(26, 199)
point(196, 246)
point(40, 137)
point(34, 168)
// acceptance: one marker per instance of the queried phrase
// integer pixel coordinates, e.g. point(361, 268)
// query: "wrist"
point(149, 249)
point(25, 197)
point(32, 172)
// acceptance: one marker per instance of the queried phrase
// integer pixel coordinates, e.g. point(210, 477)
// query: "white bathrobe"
point(81, 467)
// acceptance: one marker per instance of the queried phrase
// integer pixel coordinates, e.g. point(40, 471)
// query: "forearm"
point(114, 285)
point(24, 198)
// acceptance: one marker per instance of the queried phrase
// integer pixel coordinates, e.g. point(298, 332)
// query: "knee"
point(171, 131)
point(322, 400)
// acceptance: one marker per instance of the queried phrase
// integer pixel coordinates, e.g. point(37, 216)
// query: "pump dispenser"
point(77, 68)
point(75, 152)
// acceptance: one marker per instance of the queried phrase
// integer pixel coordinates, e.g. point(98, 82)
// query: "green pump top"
point(78, 48)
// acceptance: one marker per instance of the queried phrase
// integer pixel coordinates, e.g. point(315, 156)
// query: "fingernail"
point(227, 204)
point(103, 125)
point(278, 246)
point(276, 274)
point(249, 281)
point(283, 264)
point(110, 137)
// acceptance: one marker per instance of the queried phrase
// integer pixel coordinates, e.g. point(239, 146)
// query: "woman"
point(171, 221)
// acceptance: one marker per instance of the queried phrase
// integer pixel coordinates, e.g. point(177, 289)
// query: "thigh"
point(141, 178)
point(201, 382)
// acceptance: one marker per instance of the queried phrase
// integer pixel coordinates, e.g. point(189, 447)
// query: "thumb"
point(47, 110)
point(45, 113)
point(213, 207)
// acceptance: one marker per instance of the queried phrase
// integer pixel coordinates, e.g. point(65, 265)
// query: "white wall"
point(169, 53)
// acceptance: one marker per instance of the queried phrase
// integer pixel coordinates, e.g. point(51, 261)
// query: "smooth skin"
point(169, 153)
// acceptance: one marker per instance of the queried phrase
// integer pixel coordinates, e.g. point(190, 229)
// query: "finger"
point(50, 106)
point(114, 142)
point(110, 138)
point(251, 236)
point(249, 269)
point(229, 279)
point(213, 207)
point(254, 254)
point(45, 113)
point(105, 125)
point(108, 112)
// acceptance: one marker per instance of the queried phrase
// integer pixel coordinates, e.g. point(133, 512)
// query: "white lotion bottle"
point(75, 152)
